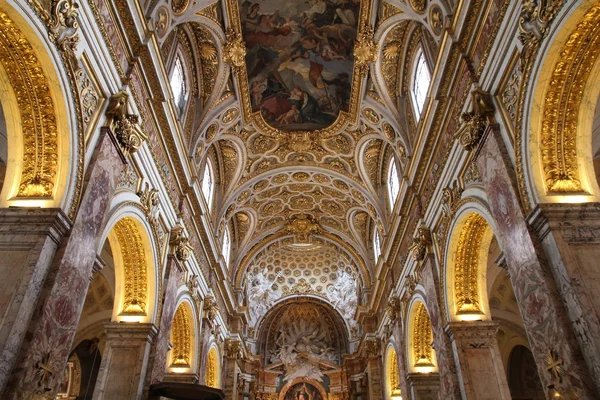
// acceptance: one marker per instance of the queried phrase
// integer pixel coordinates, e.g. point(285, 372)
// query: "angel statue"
point(261, 294)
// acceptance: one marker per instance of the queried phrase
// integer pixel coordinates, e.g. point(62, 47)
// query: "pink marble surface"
point(449, 388)
point(544, 316)
point(28, 242)
point(160, 348)
point(400, 347)
point(51, 332)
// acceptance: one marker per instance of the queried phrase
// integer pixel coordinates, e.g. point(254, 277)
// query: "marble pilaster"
point(375, 378)
point(424, 386)
point(479, 364)
point(570, 236)
point(400, 340)
point(125, 361)
point(160, 347)
point(449, 388)
point(229, 377)
point(47, 343)
point(29, 239)
point(544, 316)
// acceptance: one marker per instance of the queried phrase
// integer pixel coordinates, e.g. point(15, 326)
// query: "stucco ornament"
point(301, 348)
point(342, 295)
point(261, 294)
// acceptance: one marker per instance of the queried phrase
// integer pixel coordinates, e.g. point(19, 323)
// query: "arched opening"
point(181, 356)
point(213, 368)
point(392, 375)
point(467, 258)
point(134, 271)
point(523, 379)
point(478, 285)
point(421, 355)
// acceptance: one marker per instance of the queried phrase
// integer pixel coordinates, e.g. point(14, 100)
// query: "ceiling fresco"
point(301, 70)
point(299, 60)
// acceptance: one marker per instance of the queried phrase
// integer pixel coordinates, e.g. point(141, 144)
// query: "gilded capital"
point(365, 50)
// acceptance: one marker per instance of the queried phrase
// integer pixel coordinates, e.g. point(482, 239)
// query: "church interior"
point(299, 200)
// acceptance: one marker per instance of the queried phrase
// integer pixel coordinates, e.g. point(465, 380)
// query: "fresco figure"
point(299, 60)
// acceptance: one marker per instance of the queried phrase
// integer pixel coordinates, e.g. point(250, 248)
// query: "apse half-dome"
point(299, 64)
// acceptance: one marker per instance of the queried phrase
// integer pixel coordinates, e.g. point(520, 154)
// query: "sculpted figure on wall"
point(342, 295)
point(261, 294)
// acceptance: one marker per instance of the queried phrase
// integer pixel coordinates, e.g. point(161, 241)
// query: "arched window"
point(420, 82)
point(226, 246)
point(377, 245)
point(393, 183)
point(178, 85)
point(207, 183)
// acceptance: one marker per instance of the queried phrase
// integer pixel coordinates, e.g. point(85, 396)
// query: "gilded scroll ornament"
point(475, 121)
point(124, 125)
point(150, 201)
point(211, 309)
point(365, 50)
point(37, 109)
point(180, 243)
point(303, 226)
point(394, 309)
point(234, 51)
point(418, 249)
point(561, 110)
point(212, 367)
point(134, 265)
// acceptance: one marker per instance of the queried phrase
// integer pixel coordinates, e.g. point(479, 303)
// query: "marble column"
point(477, 357)
point(160, 347)
point(424, 386)
point(45, 348)
point(125, 360)
point(449, 387)
point(570, 236)
point(545, 319)
point(29, 239)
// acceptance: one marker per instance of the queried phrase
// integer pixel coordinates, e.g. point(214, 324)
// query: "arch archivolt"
point(37, 122)
point(466, 265)
point(212, 375)
point(392, 374)
point(184, 337)
point(420, 353)
point(562, 112)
